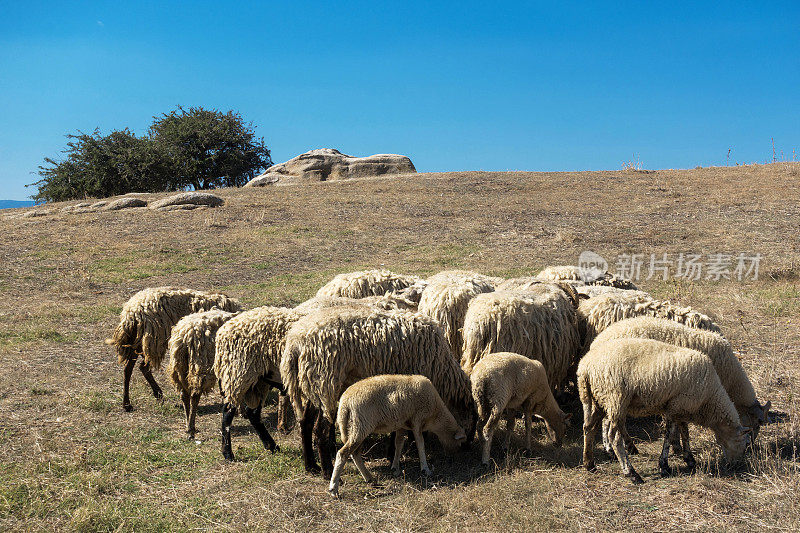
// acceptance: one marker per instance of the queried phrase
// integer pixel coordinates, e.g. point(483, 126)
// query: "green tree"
point(97, 166)
point(206, 149)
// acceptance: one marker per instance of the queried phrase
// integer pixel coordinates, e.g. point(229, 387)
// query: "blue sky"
point(456, 86)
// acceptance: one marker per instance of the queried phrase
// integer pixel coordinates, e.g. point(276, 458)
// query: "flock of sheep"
point(456, 353)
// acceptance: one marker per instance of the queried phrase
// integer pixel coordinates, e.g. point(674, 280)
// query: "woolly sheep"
point(503, 383)
point(575, 273)
point(145, 325)
point(366, 283)
point(247, 363)
point(540, 324)
point(729, 369)
point(446, 298)
point(331, 349)
point(388, 301)
point(597, 313)
point(386, 404)
point(191, 359)
point(644, 377)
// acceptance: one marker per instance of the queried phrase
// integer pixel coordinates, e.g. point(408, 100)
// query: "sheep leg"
point(606, 440)
point(148, 375)
point(669, 438)
point(254, 416)
point(688, 456)
point(285, 414)
point(527, 415)
point(228, 413)
point(592, 418)
point(423, 461)
point(399, 443)
point(325, 443)
point(487, 434)
point(194, 400)
point(362, 468)
point(306, 433)
point(185, 399)
point(511, 420)
point(341, 459)
point(618, 443)
point(126, 384)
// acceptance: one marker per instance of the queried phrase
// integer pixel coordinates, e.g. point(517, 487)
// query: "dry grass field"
point(73, 460)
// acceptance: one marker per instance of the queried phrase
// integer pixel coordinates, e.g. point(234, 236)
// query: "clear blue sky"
point(456, 86)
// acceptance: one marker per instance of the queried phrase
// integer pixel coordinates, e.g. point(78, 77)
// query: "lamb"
point(729, 369)
point(645, 377)
point(597, 313)
point(366, 283)
point(446, 298)
point(386, 404)
point(505, 382)
point(247, 363)
point(331, 349)
point(191, 359)
point(145, 325)
point(540, 324)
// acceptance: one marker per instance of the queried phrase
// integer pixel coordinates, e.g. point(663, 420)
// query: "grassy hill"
point(74, 460)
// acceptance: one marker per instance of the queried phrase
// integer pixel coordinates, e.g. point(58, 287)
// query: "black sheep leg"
point(306, 433)
point(228, 413)
point(126, 384)
point(254, 416)
point(325, 441)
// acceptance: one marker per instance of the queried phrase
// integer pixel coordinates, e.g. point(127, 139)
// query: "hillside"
point(73, 459)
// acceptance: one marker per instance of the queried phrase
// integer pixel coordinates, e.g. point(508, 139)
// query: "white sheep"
point(386, 404)
point(388, 301)
point(145, 325)
point(191, 359)
point(247, 364)
point(644, 377)
point(540, 324)
point(597, 313)
point(331, 349)
point(729, 369)
point(575, 273)
point(504, 383)
point(446, 298)
point(366, 283)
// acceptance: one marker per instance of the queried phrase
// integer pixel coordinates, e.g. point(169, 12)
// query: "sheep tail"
point(123, 338)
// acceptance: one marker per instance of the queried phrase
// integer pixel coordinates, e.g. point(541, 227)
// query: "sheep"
point(191, 359)
point(446, 298)
point(590, 277)
point(597, 313)
point(388, 302)
point(386, 404)
point(645, 377)
point(145, 325)
point(505, 382)
point(366, 283)
point(729, 369)
point(540, 324)
point(590, 291)
point(247, 364)
point(330, 349)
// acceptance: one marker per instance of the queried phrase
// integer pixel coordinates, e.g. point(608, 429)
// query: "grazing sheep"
point(366, 283)
point(191, 359)
point(145, 325)
point(331, 349)
point(386, 404)
point(505, 382)
point(590, 291)
point(729, 369)
point(597, 313)
point(575, 273)
point(540, 324)
point(247, 363)
point(644, 377)
point(446, 298)
point(388, 301)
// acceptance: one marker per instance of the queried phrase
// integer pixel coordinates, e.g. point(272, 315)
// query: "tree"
point(206, 149)
point(99, 166)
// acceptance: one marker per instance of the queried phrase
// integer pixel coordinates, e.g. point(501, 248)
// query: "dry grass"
point(73, 460)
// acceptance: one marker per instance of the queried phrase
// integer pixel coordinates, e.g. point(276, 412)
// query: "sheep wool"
point(728, 367)
point(597, 313)
point(447, 297)
point(575, 273)
point(644, 377)
point(366, 283)
point(389, 301)
point(539, 324)
point(386, 404)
